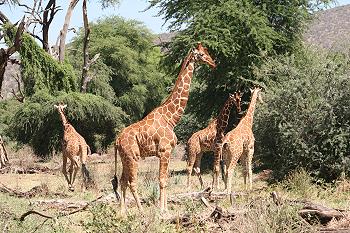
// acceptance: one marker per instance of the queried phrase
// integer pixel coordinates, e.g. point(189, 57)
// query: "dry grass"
point(256, 212)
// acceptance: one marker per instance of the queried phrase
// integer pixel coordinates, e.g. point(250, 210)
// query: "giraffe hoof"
point(71, 189)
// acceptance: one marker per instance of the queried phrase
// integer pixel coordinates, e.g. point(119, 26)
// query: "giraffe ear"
point(55, 106)
point(64, 106)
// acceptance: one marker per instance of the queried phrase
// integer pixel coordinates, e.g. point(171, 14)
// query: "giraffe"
point(207, 138)
point(239, 144)
point(154, 135)
point(3, 154)
point(74, 147)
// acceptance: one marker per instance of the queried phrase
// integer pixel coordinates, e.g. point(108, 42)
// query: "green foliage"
point(239, 35)
point(105, 218)
point(41, 72)
point(109, 3)
point(37, 122)
point(305, 121)
point(7, 111)
point(128, 72)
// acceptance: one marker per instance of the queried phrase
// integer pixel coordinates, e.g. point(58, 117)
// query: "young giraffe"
point(3, 154)
point(239, 144)
point(154, 135)
point(74, 147)
point(207, 139)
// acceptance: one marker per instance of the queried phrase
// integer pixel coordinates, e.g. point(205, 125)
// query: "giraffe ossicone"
point(154, 135)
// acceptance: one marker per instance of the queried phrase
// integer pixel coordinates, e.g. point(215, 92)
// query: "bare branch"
point(23, 216)
point(20, 97)
point(50, 7)
point(85, 79)
point(63, 32)
point(3, 18)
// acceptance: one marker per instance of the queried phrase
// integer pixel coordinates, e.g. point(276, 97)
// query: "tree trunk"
point(50, 7)
point(63, 32)
point(84, 78)
point(6, 53)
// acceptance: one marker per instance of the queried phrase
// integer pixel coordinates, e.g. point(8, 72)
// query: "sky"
point(129, 9)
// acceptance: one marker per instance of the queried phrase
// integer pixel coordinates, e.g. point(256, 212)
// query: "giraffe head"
point(60, 107)
point(201, 54)
point(257, 91)
point(236, 98)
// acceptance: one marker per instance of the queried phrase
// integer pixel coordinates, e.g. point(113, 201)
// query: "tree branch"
point(6, 53)
point(63, 32)
point(20, 97)
point(85, 79)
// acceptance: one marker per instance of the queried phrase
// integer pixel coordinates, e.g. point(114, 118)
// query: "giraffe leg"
point(64, 169)
point(197, 169)
point(123, 186)
point(216, 171)
point(228, 180)
point(75, 168)
point(133, 183)
point(84, 170)
point(163, 179)
point(249, 167)
point(192, 157)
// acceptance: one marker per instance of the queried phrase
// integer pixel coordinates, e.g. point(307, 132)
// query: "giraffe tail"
point(222, 162)
point(114, 181)
point(88, 150)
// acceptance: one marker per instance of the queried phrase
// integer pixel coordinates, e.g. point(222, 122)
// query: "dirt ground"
point(253, 211)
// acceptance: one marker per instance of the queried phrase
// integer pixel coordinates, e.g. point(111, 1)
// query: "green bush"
point(38, 123)
point(305, 122)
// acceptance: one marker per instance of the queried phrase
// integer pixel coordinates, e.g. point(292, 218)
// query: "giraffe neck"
point(63, 118)
point(177, 100)
point(223, 116)
point(248, 118)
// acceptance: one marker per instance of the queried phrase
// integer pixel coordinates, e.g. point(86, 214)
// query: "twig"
point(23, 216)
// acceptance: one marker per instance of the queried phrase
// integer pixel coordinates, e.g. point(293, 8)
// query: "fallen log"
point(315, 213)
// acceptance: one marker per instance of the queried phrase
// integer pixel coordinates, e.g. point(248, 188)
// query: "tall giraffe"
point(239, 144)
point(206, 139)
point(154, 135)
point(74, 147)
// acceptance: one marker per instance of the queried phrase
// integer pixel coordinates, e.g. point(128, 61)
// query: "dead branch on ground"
point(83, 208)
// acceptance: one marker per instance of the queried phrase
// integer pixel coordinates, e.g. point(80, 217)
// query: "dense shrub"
point(305, 121)
point(38, 123)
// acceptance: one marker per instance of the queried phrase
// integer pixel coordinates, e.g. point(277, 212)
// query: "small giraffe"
point(3, 154)
point(239, 144)
point(206, 139)
point(154, 135)
point(74, 147)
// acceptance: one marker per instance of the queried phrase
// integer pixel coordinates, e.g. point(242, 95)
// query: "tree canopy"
point(240, 34)
point(127, 72)
point(305, 120)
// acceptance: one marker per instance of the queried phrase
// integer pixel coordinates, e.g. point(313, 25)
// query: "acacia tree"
point(127, 71)
point(241, 34)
